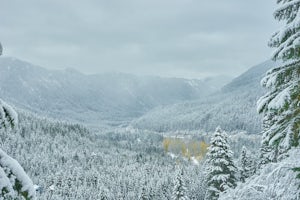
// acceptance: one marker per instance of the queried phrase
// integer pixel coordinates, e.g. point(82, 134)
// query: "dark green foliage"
point(18, 187)
point(8, 121)
point(297, 169)
point(280, 105)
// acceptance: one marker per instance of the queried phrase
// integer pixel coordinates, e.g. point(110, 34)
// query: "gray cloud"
point(183, 38)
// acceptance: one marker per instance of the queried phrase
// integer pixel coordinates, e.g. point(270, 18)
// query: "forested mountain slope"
point(233, 108)
point(69, 161)
point(71, 95)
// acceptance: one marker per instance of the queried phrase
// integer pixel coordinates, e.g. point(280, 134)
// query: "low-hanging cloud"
point(182, 38)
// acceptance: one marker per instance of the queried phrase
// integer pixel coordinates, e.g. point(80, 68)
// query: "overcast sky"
point(175, 38)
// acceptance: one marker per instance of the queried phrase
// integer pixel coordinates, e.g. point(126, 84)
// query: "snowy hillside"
point(218, 81)
point(71, 95)
point(68, 161)
point(233, 108)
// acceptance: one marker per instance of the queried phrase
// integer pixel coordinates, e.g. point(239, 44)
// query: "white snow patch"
point(172, 155)
point(195, 161)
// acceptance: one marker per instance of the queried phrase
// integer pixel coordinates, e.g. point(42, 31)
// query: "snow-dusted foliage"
point(221, 171)
point(281, 104)
point(275, 178)
point(247, 164)
point(273, 181)
point(14, 182)
point(180, 190)
point(1, 49)
point(8, 116)
point(287, 39)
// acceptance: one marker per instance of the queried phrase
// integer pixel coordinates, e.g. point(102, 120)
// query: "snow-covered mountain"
point(233, 108)
point(71, 95)
point(218, 82)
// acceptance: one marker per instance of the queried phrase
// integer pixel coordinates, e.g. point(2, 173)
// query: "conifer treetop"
point(286, 40)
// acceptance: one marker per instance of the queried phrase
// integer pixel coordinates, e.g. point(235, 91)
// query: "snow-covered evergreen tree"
point(286, 40)
point(221, 171)
point(14, 182)
point(180, 191)
point(280, 105)
point(265, 154)
point(8, 117)
point(247, 164)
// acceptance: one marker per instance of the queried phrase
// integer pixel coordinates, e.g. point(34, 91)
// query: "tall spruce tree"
point(220, 170)
point(247, 164)
point(281, 104)
point(180, 191)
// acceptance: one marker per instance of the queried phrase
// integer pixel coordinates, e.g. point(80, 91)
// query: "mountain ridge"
point(232, 108)
point(109, 97)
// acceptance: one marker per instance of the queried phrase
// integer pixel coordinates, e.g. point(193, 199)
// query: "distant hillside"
point(218, 82)
point(71, 95)
point(233, 108)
